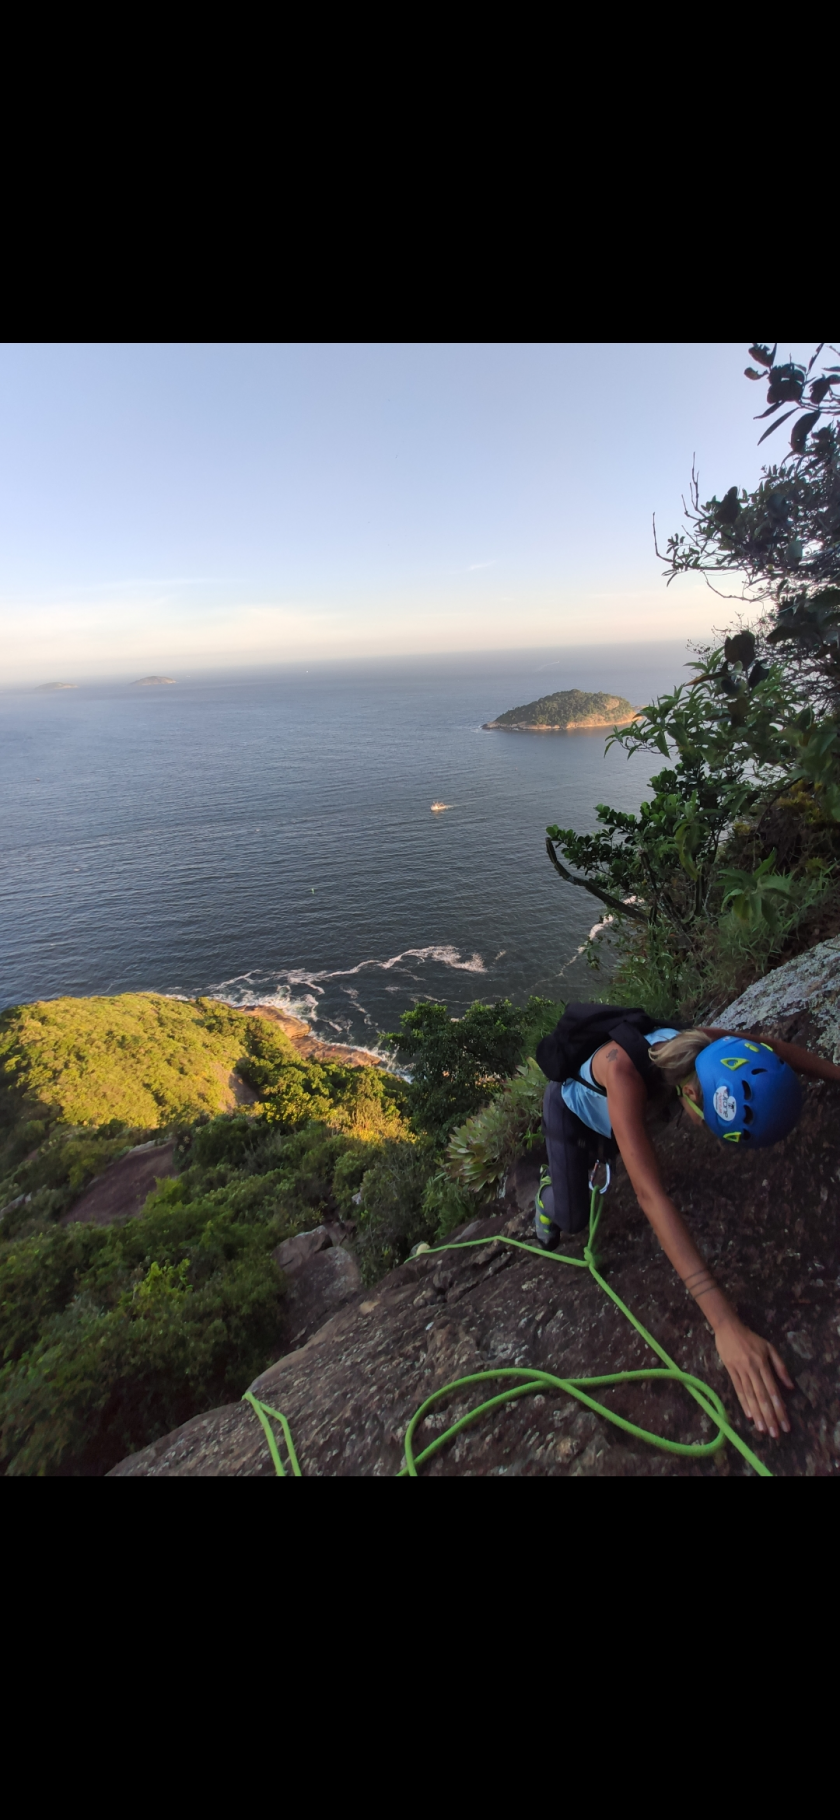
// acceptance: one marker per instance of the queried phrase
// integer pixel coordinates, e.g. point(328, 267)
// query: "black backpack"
point(584, 1027)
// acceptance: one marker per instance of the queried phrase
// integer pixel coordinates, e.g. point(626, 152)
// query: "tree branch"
point(612, 903)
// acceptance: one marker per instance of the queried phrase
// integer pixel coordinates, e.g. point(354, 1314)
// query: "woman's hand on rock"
point(754, 1365)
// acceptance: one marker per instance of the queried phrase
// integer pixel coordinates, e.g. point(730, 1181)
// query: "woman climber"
point(744, 1089)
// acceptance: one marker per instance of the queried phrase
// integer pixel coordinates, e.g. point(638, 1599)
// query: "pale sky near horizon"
point(200, 505)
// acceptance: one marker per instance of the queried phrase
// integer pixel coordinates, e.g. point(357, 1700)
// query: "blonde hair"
point(675, 1058)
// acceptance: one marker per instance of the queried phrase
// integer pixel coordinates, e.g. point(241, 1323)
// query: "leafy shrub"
point(457, 1063)
point(446, 1202)
point(224, 1140)
point(394, 1212)
point(293, 1090)
point(112, 1336)
point(480, 1151)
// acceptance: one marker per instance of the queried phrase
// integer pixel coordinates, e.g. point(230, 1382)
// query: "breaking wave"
point(328, 1000)
point(301, 986)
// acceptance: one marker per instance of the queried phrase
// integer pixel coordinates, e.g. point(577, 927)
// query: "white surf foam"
point(298, 989)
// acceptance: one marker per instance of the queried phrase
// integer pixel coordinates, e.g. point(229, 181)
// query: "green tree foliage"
point(458, 1063)
point(65, 1058)
point(396, 1209)
point(292, 1089)
point(782, 539)
point(110, 1337)
point(150, 1321)
point(734, 746)
point(420, 1191)
point(754, 771)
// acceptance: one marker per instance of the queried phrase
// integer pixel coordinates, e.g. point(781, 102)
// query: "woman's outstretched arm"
point(802, 1061)
point(753, 1364)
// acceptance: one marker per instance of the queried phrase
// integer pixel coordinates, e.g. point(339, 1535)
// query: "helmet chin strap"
point(692, 1103)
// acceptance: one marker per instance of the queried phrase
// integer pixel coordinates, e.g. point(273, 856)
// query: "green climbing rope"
point(529, 1382)
point(264, 1410)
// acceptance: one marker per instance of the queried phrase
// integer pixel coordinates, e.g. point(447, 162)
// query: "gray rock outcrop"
point(799, 1001)
point(121, 1191)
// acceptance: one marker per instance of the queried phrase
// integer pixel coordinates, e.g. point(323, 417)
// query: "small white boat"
point(437, 806)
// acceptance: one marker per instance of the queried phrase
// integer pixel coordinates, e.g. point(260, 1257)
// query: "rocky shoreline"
point(312, 1047)
point(575, 726)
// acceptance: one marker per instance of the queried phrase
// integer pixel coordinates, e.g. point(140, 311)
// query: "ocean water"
point(268, 837)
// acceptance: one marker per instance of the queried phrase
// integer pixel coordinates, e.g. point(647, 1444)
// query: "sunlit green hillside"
point(139, 1058)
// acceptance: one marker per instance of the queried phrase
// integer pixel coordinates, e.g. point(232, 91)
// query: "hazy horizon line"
point(498, 655)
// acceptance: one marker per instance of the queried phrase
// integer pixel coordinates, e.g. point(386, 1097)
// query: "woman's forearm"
point(688, 1262)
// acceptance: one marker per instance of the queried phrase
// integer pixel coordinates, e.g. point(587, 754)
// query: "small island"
point(49, 688)
point(567, 711)
point(147, 682)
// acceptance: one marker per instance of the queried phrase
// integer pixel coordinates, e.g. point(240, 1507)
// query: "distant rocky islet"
point(567, 711)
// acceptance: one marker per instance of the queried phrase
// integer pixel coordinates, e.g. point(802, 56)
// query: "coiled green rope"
point(528, 1382)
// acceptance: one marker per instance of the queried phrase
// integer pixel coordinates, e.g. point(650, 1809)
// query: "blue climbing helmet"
point(749, 1094)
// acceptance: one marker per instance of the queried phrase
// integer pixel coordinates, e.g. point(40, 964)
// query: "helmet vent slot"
point(758, 1071)
point(746, 1090)
point(748, 1115)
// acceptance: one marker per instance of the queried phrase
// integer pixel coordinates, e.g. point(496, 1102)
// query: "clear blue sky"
point(166, 506)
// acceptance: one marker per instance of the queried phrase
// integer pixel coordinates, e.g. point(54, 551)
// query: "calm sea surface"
point(269, 837)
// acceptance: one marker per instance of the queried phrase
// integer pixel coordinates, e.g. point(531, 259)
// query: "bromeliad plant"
point(480, 1151)
point(756, 899)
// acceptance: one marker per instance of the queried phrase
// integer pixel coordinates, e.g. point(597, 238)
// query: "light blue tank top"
point(587, 1102)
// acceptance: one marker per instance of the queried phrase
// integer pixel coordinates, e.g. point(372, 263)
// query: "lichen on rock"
point(799, 1001)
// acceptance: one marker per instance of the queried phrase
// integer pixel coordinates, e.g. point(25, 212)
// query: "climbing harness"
point(523, 1382)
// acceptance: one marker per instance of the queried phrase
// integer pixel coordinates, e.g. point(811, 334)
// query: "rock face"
point(768, 1224)
point(119, 1193)
point(799, 1002)
point(321, 1275)
point(351, 1389)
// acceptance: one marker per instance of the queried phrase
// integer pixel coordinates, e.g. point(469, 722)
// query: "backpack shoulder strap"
point(630, 1039)
point(582, 1029)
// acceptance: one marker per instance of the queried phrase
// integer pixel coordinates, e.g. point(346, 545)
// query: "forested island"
point(566, 711)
